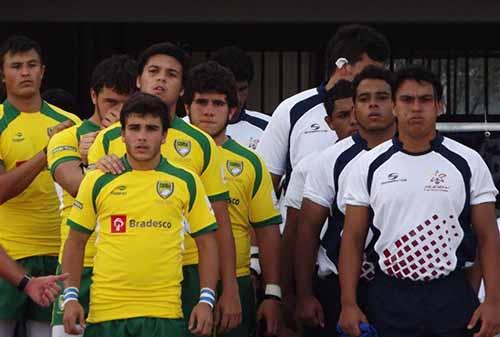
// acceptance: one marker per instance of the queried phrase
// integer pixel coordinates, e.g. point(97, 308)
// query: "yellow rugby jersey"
point(29, 223)
point(186, 146)
point(138, 217)
point(63, 147)
point(252, 201)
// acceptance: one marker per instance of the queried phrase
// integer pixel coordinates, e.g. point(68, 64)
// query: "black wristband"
point(272, 297)
point(24, 282)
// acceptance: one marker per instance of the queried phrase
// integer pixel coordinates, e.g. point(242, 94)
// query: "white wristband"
point(273, 289)
point(254, 250)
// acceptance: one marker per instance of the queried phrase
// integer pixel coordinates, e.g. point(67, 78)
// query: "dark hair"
point(60, 98)
point(19, 44)
point(419, 74)
point(169, 49)
point(118, 72)
point(352, 41)
point(341, 89)
point(373, 73)
point(236, 60)
point(143, 104)
point(209, 77)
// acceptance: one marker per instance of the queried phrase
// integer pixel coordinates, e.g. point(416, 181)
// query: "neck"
point(374, 138)
point(417, 144)
point(96, 119)
point(171, 111)
point(236, 114)
point(220, 138)
point(144, 165)
point(32, 104)
point(333, 79)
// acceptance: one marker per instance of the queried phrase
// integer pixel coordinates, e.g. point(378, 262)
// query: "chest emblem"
point(183, 147)
point(18, 137)
point(164, 189)
point(234, 167)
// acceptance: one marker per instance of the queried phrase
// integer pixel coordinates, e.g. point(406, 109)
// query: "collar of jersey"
point(129, 168)
point(322, 89)
point(435, 144)
point(228, 143)
point(10, 109)
point(356, 137)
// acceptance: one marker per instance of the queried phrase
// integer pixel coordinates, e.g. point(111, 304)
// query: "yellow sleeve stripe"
point(224, 196)
point(60, 161)
point(275, 220)
point(210, 228)
point(78, 227)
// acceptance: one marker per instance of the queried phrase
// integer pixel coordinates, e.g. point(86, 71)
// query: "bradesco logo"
point(118, 223)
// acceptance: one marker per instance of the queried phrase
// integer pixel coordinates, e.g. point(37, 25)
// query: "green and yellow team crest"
point(234, 167)
point(164, 188)
point(183, 147)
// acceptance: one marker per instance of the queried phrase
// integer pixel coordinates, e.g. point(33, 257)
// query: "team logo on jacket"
point(234, 167)
point(164, 189)
point(18, 137)
point(183, 147)
point(118, 223)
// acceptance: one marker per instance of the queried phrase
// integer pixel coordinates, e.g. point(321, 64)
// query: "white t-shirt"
point(296, 128)
point(421, 205)
point(248, 128)
point(325, 185)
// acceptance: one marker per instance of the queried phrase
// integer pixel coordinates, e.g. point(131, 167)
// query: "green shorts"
point(15, 305)
point(83, 298)
point(248, 308)
point(137, 327)
point(191, 295)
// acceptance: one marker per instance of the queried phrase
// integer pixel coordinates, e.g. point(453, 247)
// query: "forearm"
point(305, 261)
point(15, 181)
point(208, 261)
point(69, 175)
point(225, 244)
point(288, 251)
point(489, 249)
point(72, 261)
point(276, 183)
point(269, 253)
point(9, 269)
point(350, 259)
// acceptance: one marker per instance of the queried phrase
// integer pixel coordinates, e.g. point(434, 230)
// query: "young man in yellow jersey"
point(140, 218)
point(210, 98)
point(162, 71)
point(112, 82)
point(29, 215)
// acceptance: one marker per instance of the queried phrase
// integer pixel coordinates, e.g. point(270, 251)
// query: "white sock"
point(58, 331)
point(38, 329)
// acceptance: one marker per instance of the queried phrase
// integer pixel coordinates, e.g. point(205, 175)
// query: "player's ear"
point(138, 82)
point(232, 112)
point(93, 96)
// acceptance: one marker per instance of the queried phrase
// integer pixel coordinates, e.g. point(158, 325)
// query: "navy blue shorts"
point(439, 308)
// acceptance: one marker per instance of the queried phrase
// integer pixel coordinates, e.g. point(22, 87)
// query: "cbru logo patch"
point(118, 223)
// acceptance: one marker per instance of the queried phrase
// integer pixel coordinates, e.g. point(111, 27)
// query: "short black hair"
point(372, 72)
point(419, 74)
point(61, 98)
point(341, 89)
point(19, 44)
point(118, 72)
point(352, 41)
point(169, 49)
point(143, 104)
point(234, 58)
point(208, 77)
